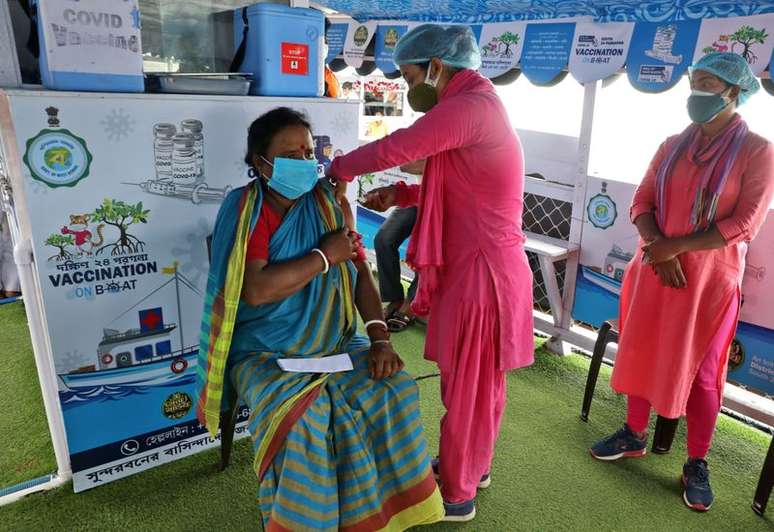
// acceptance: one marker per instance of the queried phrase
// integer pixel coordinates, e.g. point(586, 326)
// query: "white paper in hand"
point(329, 364)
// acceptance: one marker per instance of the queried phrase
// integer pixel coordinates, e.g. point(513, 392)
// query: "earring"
point(251, 173)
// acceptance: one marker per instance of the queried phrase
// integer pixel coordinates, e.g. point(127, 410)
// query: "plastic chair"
point(665, 428)
point(228, 416)
point(765, 483)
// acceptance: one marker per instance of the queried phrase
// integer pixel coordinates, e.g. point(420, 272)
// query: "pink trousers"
point(473, 392)
point(704, 401)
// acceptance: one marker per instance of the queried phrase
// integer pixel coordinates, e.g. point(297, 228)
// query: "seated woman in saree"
point(333, 451)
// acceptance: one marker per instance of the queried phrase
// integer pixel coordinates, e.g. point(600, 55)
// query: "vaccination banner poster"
point(121, 194)
point(750, 37)
point(546, 51)
point(387, 36)
point(336, 36)
point(751, 361)
point(358, 38)
point(501, 45)
point(599, 50)
point(609, 242)
point(660, 53)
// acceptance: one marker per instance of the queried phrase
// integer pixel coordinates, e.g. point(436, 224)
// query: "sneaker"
point(622, 444)
point(697, 492)
point(460, 512)
point(483, 484)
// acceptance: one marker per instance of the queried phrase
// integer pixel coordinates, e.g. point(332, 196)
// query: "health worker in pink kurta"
point(468, 246)
point(704, 197)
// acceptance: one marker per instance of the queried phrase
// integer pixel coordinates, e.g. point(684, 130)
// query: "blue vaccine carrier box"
point(90, 45)
point(282, 47)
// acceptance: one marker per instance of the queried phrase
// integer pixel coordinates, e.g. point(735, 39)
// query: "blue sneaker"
point(460, 512)
point(622, 444)
point(697, 492)
point(484, 483)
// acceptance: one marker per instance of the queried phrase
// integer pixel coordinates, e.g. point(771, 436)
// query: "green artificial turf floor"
point(543, 477)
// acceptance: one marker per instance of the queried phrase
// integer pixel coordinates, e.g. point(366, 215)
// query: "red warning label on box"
point(295, 58)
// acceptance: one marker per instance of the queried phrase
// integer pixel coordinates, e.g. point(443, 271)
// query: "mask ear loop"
point(432, 83)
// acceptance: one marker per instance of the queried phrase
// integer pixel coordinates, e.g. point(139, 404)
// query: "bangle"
point(324, 258)
point(376, 322)
point(374, 342)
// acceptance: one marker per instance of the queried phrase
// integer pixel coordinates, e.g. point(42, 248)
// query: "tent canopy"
point(481, 11)
point(655, 41)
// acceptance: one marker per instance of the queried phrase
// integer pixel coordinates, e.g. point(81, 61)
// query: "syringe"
point(200, 193)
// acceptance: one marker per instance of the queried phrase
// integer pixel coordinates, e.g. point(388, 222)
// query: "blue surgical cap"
point(455, 46)
point(731, 68)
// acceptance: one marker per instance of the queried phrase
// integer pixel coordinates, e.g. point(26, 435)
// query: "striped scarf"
point(716, 160)
point(235, 220)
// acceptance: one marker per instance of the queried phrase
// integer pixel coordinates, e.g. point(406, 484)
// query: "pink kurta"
point(468, 243)
point(666, 332)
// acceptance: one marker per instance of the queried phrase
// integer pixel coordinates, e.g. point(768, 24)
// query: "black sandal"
point(391, 314)
point(400, 321)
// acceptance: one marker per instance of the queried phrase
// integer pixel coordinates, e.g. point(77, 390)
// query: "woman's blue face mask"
point(704, 107)
point(292, 178)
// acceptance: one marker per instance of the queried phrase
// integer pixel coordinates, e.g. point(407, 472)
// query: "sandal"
point(400, 321)
point(389, 311)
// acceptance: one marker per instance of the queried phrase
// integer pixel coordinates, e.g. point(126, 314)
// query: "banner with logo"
point(655, 53)
point(599, 50)
point(501, 46)
point(660, 53)
point(546, 51)
point(750, 37)
point(358, 38)
point(384, 47)
point(120, 194)
point(610, 241)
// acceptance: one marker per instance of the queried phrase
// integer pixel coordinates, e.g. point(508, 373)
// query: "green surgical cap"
point(455, 46)
point(731, 68)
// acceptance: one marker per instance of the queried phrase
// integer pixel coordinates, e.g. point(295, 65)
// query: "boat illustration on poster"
point(140, 356)
point(607, 283)
point(146, 368)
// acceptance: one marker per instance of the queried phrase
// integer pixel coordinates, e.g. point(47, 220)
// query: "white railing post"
point(556, 344)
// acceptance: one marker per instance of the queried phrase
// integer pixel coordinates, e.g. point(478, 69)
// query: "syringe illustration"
point(200, 193)
point(178, 152)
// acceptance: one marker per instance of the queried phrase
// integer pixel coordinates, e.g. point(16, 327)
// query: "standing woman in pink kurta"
point(705, 196)
point(468, 246)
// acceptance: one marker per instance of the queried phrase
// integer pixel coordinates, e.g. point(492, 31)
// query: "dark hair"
point(426, 65)
point(265, 127)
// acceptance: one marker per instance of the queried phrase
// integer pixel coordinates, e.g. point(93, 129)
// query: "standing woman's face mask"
point(289, 168)
point(422, 95)
point(710, 96)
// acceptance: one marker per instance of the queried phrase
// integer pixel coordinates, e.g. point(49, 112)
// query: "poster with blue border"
point(336, 35)
point(546, 51)
point(384, 47)
point(660, 53)
point(119, 216)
